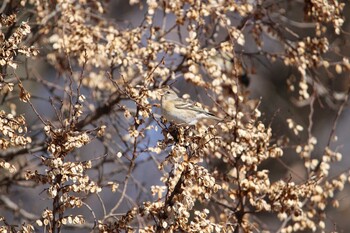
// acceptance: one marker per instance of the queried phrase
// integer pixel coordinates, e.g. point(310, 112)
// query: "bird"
point(182, 111)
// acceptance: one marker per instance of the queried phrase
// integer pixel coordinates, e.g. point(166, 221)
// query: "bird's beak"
point(161, 92)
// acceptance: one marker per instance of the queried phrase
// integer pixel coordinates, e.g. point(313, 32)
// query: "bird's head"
point(168, 94)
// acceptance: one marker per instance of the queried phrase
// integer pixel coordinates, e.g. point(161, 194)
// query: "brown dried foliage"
point(105, 94)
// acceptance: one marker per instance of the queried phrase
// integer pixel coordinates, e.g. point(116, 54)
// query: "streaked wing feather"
point(190, 105)
point(183, 105)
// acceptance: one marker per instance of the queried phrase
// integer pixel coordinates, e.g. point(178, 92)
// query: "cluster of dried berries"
point(13, 130)
point(13, 127)
point(12, 45)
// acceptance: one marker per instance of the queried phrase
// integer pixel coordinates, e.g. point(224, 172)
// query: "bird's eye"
point(168, 92)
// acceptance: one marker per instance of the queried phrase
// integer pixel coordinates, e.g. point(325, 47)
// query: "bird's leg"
point(188, 128)
point(174, 132)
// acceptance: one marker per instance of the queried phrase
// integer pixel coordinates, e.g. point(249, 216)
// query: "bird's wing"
point(187, 104)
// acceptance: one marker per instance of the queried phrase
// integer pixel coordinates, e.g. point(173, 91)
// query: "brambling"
point(182, 111)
